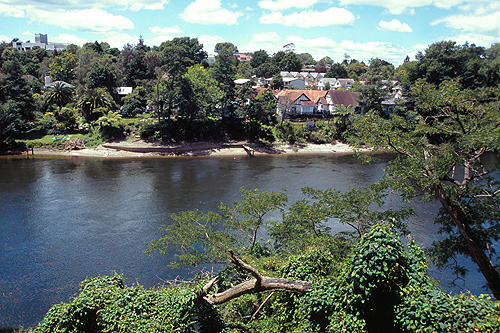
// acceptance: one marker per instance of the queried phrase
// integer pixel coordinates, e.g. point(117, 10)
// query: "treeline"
point(190, 98)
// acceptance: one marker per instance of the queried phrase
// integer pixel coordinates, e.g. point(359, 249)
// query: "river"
point(63, 219)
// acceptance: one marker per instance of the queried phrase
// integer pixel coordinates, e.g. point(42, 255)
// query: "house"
point(343, 83)
point(242, 56)
point(299, 102)
point(335, 98)
point(323, 81)
point(289, 82)
point(240, 82)
point(41, 41)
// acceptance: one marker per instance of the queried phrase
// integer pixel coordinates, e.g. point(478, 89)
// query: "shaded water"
point(63, 219)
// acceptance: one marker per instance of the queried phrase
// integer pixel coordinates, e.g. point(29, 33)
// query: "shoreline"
point(141, 148)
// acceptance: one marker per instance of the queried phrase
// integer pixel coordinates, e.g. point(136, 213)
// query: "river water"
point(63, 219)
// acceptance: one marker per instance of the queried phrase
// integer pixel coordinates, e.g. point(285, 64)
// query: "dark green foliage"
point(17, 105)
point(337, 71)
point(102, 77)
point(290, 62)
point(105, 304)
point(132, 107)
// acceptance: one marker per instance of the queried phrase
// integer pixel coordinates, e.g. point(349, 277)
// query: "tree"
point(95, 98)
point(230, 47)
point(447, 60)
point(63, 67)
point(224, 71)
point(291, 62)
point(277, 82)
point(337, 71)
point(267, 69)
point(181, 53)
point(60, 94)
point(16, 102)
point(258, 58)
point(443, 155)
point(205, 89)
point(356, 70)
point(102, 77)
point(307, 59)
point(341, 118)
point(205, 237)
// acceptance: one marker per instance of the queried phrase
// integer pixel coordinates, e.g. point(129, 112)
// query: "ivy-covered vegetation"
point(380, 286)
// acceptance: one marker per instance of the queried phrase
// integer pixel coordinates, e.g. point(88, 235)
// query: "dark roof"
point(344, 97)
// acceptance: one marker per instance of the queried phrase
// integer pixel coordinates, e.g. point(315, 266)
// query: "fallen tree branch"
point(257, 285)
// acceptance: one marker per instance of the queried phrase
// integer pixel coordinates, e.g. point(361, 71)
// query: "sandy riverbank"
point(145, 149)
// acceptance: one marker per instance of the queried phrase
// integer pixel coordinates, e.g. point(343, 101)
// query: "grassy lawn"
point(38, 139)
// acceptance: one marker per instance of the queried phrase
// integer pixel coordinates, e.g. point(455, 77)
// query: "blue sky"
point(363, 29)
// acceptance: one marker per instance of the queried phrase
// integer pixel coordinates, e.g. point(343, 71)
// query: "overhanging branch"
point(257, 285)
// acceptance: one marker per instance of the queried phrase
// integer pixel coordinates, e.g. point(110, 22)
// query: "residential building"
point(242, 56)
point(42, 41)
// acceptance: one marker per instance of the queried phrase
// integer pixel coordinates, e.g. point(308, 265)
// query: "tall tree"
point(442, 154)
point(291, 62)
point(337, 71)
point(17, 105)
point(230, 47)
point(205, 90)
point(63, 67)
point(307, 59)
point(258, 58)
point(224, 71)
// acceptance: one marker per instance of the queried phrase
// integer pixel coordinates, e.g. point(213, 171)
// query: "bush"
point(106, 304)
point(132, 107)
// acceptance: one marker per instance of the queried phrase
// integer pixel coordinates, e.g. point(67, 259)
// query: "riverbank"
point(141, 148)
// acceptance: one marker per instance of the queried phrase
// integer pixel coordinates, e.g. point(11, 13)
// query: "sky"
point(356, 29)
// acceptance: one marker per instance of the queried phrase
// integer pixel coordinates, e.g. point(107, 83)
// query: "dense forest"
point(445, 134)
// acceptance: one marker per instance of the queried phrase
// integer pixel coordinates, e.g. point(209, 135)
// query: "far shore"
point(141, 148)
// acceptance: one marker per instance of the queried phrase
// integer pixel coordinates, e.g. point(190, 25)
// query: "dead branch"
point(257, 285)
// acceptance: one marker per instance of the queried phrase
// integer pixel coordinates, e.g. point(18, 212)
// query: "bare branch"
point(259, 284)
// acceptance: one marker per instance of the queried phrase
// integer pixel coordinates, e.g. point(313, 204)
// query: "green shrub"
point(132, 107)
point(106, 304)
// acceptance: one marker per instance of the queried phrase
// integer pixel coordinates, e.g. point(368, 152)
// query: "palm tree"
point(110, 123)
point(110, 119)
point(60, 94)
point(95, 98)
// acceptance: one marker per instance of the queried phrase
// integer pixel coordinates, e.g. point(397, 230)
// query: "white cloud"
point(486, 23)
point(88, 4)
point(5, 39)
point(267, 37)
point(398, 7)
point(166, 30)
point(209, 42)
point(365, 51)
point(96, 20)
point(278, 5)
point(394, 25)
point(324, 46)
point(69, 39)
point(9, 10)
point(209, 12)
point(119, 39)
point(478, 39)
point(150, 5)
point(306, 19)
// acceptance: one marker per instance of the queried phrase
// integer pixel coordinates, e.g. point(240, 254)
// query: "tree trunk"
point(259, 284)
point(473, 244)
